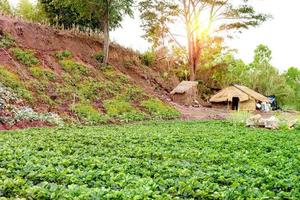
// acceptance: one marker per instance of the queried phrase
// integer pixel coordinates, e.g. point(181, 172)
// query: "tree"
point(30, 11)
point(5, 7)
point(201, 19)
point(104, 15)
point(292, 76)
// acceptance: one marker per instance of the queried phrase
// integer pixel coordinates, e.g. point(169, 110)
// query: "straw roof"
point(244, 93)
point(184, 86)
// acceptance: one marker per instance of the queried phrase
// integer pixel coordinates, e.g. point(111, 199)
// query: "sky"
point(281, 34)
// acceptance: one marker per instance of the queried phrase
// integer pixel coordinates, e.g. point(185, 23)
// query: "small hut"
point(237, 97)
point(185, 93)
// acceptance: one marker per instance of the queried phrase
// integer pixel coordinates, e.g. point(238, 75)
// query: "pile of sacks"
point(269, 123)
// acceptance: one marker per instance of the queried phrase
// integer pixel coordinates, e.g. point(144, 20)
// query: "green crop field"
point(166, 160)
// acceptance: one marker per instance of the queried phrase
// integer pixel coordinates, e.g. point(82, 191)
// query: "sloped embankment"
point(58, 72)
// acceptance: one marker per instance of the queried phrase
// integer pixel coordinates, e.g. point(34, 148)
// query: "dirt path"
point(201, 113)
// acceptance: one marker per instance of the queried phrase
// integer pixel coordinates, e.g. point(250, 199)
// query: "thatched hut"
point(237, 97)
point(185, 93)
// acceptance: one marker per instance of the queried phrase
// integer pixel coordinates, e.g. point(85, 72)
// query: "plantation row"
point(167, 160)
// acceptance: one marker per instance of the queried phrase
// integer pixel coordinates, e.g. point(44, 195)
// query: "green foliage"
point(26, 57)
point(12, 81)
point(88, 113)
point(99, 57)
point(159, 110)
point(91, 89)
point(73, 67)
point(6, 41)
point(62, 55)
point(167, 160)
point(5, 7)
point(87, 14)
point(120, 109)
point(30, 11)
point(42, 73)
point(148, 58)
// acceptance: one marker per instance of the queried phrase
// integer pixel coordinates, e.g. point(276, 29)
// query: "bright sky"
point(281, 35)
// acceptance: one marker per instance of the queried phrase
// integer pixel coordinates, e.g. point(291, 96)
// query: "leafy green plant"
point(148, 58)
point(73, 67)
point(62, 55)
point(6, 41)
point(120, 109)
point(41, 73)
point(12, 81)
point(88, 113)
point(99, 57)
point(26, 57)
point(158, 109)
point(162, 160)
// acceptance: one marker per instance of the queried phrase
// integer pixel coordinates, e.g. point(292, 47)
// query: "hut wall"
point(249, 105)
point(186, 98)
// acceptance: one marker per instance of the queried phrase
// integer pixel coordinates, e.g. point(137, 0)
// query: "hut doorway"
point(235, 103)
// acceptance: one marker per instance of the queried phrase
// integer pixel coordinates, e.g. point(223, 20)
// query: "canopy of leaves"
point(86, 14)
point(30, 11)
point(5, 7)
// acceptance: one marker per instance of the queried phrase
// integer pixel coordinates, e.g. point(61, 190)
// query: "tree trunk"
point(106, 34)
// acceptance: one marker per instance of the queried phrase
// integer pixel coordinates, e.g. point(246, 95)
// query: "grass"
point(160, 110)
point(11, 80)
point(26, 57)
point(166, 160)
point(6, 41)
point(88, 113)
point(73, 67)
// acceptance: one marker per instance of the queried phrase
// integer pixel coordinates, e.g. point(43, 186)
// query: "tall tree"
point(104, 15)
point(30, 11)
point(5, 7)
point(200, 19)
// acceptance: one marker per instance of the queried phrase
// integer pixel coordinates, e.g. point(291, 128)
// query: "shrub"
point(148, 58)
point(158, 109)
point(12, 81)
point(73, 67)
point(26, 57)
point(6, 41)
point(120, 109)
point(89, 89)
point(88, 113)
point(41, 73)
point(61, 55)
point(99, 57)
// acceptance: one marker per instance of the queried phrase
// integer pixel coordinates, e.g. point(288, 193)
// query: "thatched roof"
point(184, 86)
point(244, 93)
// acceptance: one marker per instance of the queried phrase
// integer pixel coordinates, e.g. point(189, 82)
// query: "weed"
point(74, 68)
point(26, 57)
point(62, 55)
point(158, 109)
point(148, 58)
point(90, 89)
point(12, 81)
point(120, 109)
point(42, 74)
point(99, 57)
point(88, 113)
point(6, 41)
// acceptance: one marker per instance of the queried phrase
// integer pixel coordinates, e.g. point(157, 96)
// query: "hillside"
point(50, 76)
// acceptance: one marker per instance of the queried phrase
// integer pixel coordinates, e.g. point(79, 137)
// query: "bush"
point(26, 57)
point(120, 109)
point(88, 113)
point(158, 109)
point(43, 74)
point(62, 55)
point(148, 58)
point(99, 57)
point(74, 68)
point(12, 81)
point(6, 41)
